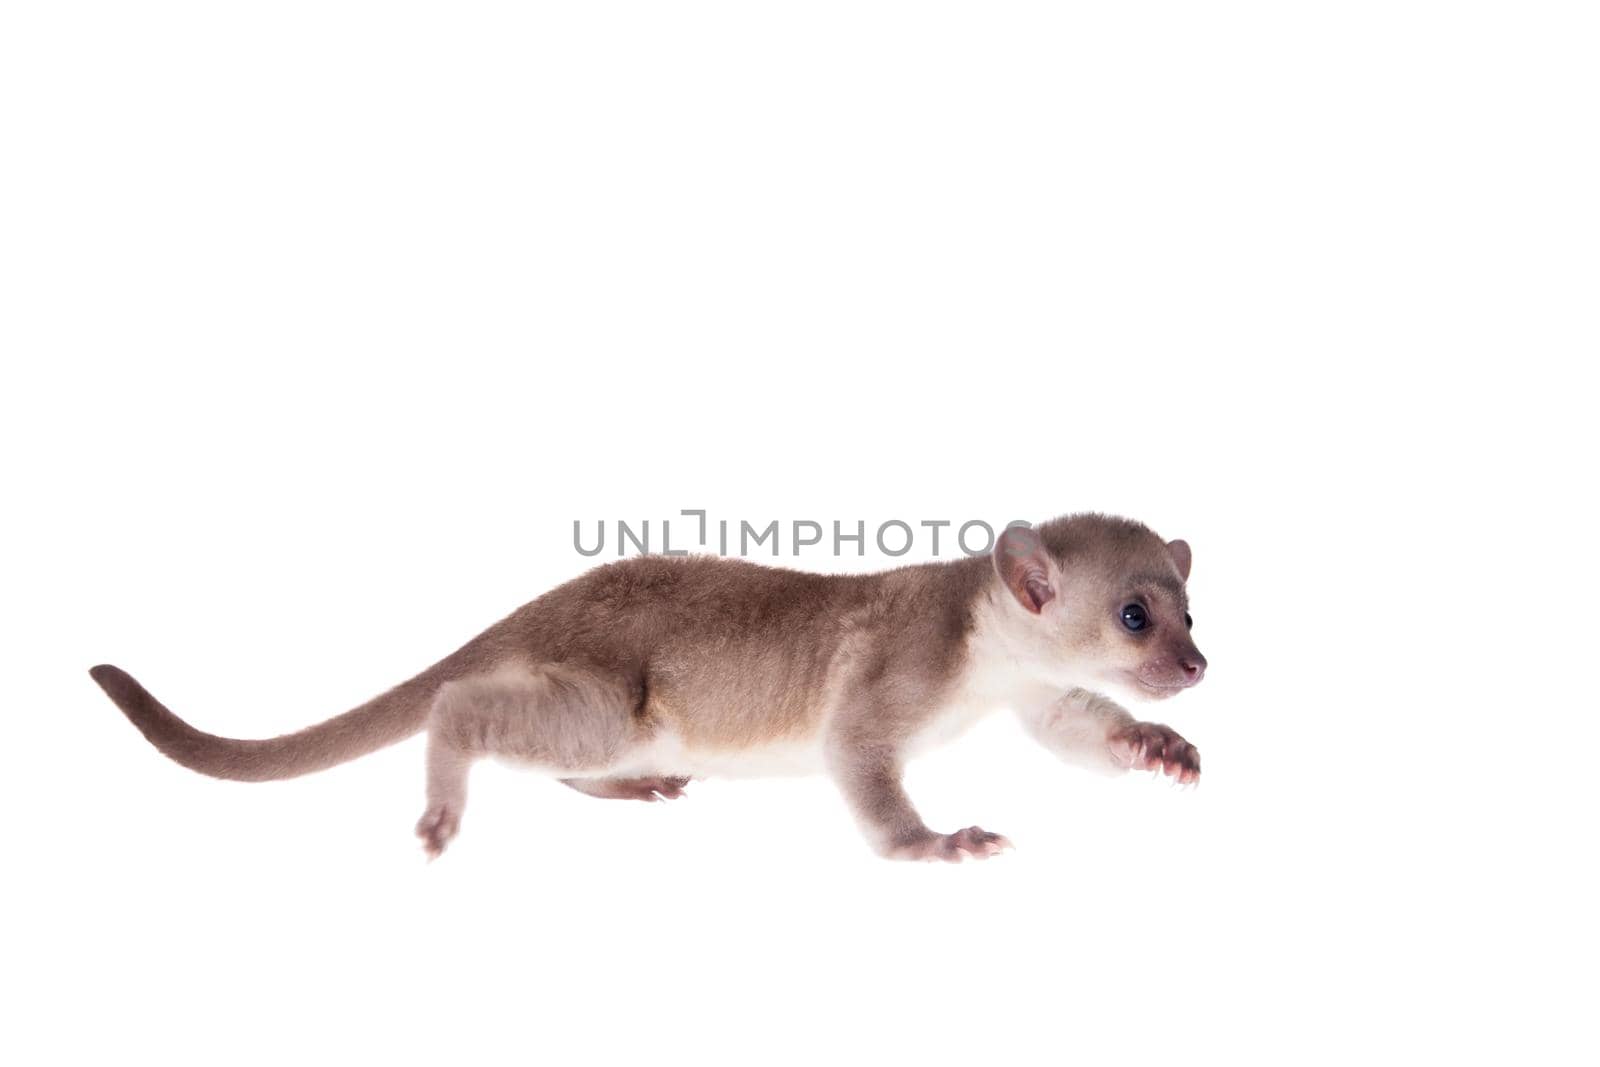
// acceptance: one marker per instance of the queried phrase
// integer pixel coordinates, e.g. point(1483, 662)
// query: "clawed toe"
point(974, 842)
point(1145, 746)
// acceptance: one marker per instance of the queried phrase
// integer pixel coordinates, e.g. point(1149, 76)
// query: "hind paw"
point(437, 826)
point(659, 788)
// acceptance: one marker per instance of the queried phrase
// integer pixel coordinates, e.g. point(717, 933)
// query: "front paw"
point(952, 848)
point(1148, 746)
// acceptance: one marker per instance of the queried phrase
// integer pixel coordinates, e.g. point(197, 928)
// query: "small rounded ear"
point(1023, 565)
point(1181, 556)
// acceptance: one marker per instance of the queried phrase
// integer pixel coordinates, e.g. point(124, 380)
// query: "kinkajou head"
point(1108, 604)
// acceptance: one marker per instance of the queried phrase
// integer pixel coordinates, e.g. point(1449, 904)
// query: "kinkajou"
point(639, 675)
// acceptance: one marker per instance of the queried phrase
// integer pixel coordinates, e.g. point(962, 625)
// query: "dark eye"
point(1133, 617)
point(1188, 620)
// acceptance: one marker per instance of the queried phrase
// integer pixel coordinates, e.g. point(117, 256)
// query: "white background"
point(323, 321)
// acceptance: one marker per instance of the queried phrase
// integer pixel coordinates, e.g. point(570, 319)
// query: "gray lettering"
point(600, 540)
point(804, 542)
point(702, 514)
point(860, 538)
point(903, 548)
point(624, 532)
point(988, 533)
point(745, 530)
point(934, 524)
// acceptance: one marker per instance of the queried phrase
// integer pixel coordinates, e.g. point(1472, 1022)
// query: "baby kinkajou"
point(639, 675)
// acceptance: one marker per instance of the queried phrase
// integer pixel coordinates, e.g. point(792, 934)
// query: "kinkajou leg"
point(556, 718)
point(863, 751)
point(1089, 730)
point(871, 786)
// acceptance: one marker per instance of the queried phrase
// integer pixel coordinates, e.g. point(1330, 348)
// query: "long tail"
point(394, 716)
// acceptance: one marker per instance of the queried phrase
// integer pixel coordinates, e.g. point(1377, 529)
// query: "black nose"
point(1194, 667)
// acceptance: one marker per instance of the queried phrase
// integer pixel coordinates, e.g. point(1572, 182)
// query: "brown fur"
point(724, 656)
